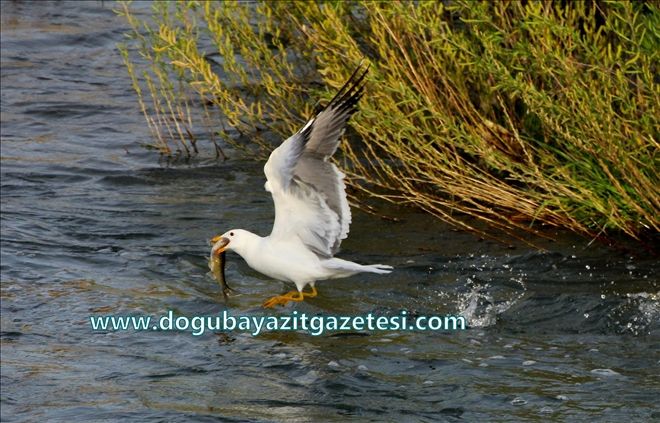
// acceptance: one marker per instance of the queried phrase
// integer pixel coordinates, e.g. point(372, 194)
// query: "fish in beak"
point(219, 244)
point(217, 263)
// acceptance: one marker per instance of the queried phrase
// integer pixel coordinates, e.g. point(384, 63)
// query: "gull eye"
point(231, 234)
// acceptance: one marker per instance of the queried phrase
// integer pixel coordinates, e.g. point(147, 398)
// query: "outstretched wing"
point(309, 191)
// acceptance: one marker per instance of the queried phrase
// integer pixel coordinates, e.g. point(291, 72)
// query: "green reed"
point(521, 115)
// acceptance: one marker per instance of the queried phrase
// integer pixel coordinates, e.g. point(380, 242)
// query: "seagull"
point(312, 215)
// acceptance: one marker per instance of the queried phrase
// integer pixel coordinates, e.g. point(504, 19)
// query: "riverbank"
point(522, 117)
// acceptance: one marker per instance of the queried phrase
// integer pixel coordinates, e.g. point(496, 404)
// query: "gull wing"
point(308, 190)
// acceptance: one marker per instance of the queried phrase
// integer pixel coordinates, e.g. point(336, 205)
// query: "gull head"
point(231, 240)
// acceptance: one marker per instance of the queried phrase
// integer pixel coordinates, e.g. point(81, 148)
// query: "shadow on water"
point(91, 224)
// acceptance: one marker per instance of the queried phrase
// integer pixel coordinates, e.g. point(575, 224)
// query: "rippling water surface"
point(94, 224)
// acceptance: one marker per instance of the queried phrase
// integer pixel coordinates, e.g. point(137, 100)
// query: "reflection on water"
point(91, 223)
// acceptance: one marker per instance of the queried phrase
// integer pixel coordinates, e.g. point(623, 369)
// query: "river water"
point(93, 224)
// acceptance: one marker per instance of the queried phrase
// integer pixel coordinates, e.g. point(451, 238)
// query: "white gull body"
point(312, 215)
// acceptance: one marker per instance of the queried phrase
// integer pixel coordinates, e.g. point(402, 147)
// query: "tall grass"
point(519, 114)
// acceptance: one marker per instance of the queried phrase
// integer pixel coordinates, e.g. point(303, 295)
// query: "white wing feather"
point(309, 191)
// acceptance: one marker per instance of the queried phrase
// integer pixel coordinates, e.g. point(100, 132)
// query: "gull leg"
point(283, 299)
point(289, 296)
point(310, 294)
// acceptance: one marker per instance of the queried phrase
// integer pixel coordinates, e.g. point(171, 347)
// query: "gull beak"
point(220, 244)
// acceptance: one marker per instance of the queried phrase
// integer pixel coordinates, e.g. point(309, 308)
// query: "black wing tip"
point(345, 100)
point(353, 88)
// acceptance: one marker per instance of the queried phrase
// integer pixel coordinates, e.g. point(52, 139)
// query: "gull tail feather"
point(342, 268)
point(379, 268)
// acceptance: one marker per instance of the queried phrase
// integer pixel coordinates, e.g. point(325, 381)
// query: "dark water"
point(93, 224)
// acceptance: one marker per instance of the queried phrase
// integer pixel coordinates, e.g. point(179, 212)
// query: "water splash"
point(638, 314)
point(483, 303)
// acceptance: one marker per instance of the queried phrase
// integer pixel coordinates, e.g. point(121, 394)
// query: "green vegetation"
point(512, 113)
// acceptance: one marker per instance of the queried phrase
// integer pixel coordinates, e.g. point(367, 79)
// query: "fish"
point(217, 265)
